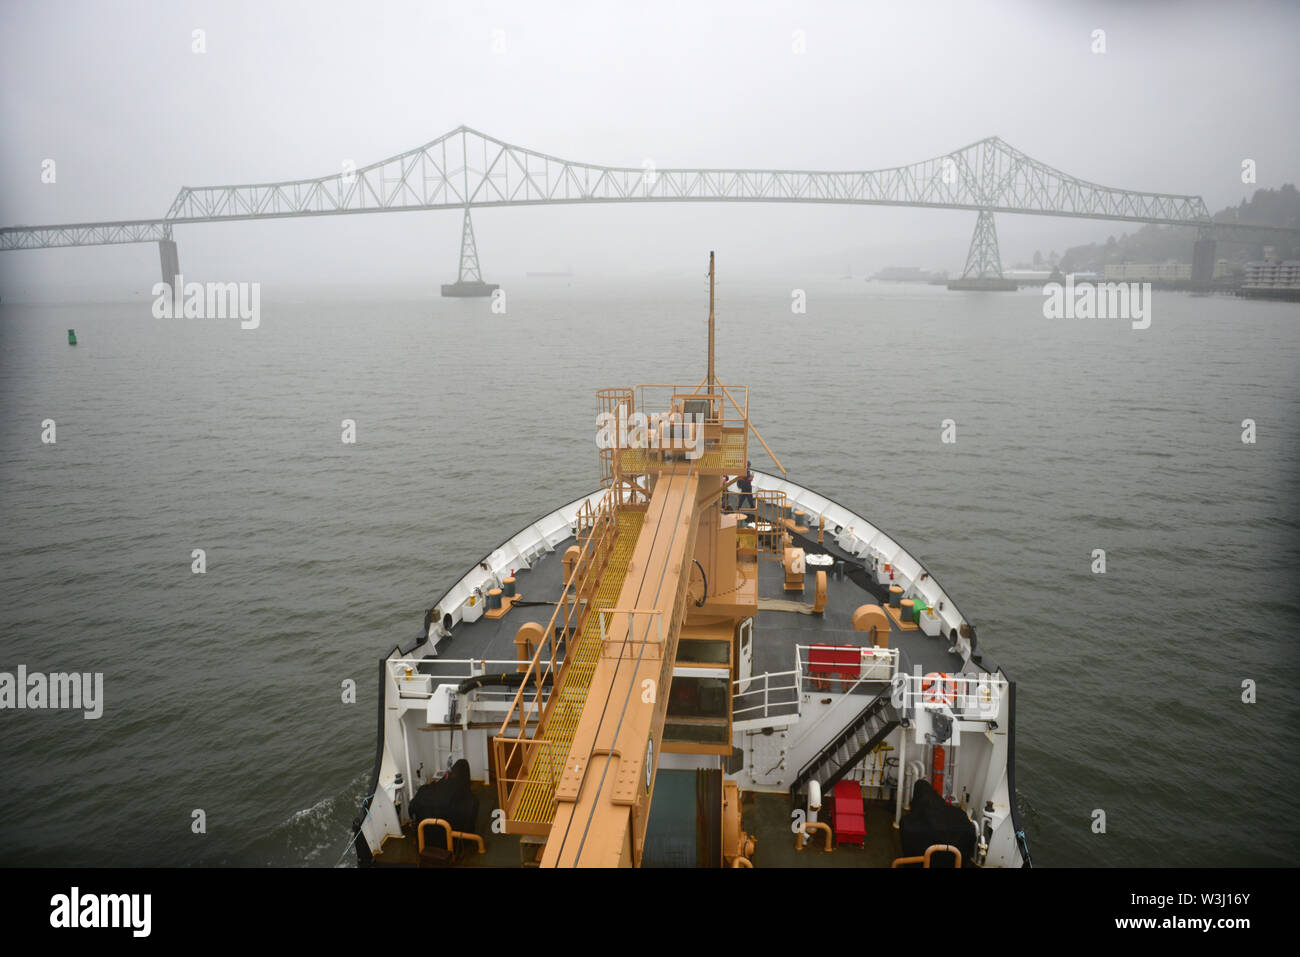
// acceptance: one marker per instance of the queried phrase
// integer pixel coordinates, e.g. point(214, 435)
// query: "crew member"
point(746, 486)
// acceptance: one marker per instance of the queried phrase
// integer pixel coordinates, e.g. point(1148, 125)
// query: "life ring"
point(939, 688)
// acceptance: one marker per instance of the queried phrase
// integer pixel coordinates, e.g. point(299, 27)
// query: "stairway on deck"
point(857, 739)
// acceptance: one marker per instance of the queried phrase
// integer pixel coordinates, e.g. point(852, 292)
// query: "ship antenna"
point(711, 378)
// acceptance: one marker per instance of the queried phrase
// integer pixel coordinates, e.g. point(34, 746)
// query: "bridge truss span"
point(465, 170)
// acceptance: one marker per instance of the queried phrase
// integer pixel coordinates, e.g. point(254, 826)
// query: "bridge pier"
point(983, 261)
point(469, 281)
point(171, 263)
point(1203, 251)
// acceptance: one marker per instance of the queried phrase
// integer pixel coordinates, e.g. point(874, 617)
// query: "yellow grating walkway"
point(537, 801)
point(730, 457)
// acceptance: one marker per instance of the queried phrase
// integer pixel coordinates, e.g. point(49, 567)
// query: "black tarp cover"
point(931, 821)
point(450, 799)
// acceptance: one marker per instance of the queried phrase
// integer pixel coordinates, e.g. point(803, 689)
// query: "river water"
point(222, 689)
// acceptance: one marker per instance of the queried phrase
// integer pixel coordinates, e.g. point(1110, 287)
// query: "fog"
point(117, 97)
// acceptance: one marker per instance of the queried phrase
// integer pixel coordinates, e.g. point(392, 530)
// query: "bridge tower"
point(983, 262)
point(469, 281)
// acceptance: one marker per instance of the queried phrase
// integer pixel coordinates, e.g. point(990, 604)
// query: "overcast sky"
point(114, 93)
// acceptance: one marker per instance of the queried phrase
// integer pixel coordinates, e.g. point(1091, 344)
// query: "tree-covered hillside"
point(1158, 244)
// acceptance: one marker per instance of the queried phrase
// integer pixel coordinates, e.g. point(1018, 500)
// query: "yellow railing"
point(723, 447)
point(607, 535)
point(770, 522)
point(616, 403)
point(728, 405)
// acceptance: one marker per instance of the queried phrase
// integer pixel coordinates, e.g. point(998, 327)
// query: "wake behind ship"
point(697, 664)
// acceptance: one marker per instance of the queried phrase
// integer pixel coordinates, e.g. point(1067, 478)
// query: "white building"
point(1273, 275)
point(1148, 271)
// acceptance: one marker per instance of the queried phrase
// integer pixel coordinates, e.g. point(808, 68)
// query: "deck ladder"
point(857, 739)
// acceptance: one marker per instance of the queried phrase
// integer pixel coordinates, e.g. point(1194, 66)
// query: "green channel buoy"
point(72, 337)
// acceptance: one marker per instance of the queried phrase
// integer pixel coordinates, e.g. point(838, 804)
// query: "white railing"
point(413, 683)
point(779, 694)
point(828, 668)
point(516, 553)
point(781, 685)
point(970, 697)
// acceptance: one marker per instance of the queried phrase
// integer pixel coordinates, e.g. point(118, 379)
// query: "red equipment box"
point(850, 816)
point(843, 663)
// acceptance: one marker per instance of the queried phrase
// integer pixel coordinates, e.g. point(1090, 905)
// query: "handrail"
point(971, 697)
point(874, 653)
point(597, 529)
point(834, 743)
point(876, 530)
point(573, 587)
point(924, 861)
point(745, 415)
point(848, 691)
point(765, 691)
point(631, 613)
point(447, 668)
point(815, 826)
point(410, 682)
point(800, 674)
point(659, 399)
point(450, 834)
point(503, 662)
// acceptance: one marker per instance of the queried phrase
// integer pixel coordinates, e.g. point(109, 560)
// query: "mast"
point(711, 377)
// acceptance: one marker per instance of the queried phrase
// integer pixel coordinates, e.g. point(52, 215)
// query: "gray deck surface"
point(495, 639)
point(775, 632)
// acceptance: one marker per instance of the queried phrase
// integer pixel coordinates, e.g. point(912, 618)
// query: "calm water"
point(223, 690)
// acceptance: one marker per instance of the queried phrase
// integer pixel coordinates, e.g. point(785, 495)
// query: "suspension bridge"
point(465, 170)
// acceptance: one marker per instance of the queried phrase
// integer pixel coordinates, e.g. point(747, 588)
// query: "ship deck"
point(766, 818)
point(776, 633)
